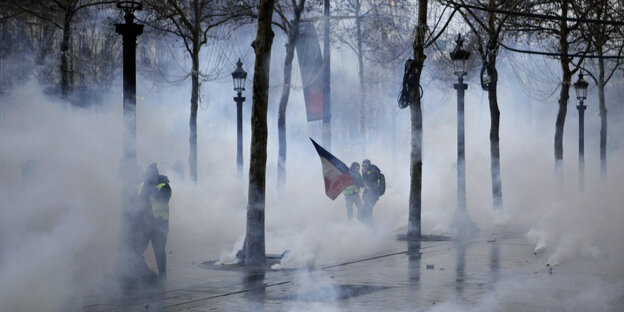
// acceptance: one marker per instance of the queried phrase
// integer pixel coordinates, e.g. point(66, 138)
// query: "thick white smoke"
point(61, 188)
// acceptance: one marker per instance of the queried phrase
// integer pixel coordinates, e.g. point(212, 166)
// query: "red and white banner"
point(311, 67)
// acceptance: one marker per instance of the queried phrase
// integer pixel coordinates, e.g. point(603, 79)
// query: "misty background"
point(61, 191)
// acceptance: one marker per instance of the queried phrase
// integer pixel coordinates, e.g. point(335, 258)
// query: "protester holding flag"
point(372, 190)
point(352, 192)
point(335, 173)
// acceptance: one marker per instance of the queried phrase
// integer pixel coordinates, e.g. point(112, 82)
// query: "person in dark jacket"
point(160, 223)
point(137, 228)
point(370, 176)
point(154, 194)
point(352, 192)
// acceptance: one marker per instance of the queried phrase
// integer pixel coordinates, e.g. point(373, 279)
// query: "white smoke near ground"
point(60, 211)
point(539, 239)
point(315, 291)
point(61, 191)
point(349, 241)
point(531, 293)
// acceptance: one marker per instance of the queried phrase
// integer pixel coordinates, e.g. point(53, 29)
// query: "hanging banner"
point(311, 67)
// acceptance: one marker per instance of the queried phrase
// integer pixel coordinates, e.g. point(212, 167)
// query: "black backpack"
point(381, 186)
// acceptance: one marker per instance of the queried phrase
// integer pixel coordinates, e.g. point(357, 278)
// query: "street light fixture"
point(460, 57)
point(580, 86)
point(239, 76)
point(129, 7)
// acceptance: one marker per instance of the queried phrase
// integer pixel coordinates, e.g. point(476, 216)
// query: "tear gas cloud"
point(61, 187)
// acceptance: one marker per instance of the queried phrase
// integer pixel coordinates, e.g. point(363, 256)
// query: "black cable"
point(408, 95)
point(538, 16)
point(560, 55)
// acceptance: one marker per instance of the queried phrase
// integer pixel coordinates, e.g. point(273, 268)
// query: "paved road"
point(491, 272)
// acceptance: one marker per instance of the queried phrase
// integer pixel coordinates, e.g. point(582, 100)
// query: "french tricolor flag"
point(335, 172)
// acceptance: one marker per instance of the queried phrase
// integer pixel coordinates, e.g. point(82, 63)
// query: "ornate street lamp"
point(460, 59)
point(239, 76)
point(580, 86)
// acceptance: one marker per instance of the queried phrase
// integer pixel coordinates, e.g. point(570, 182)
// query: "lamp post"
point(129, 31)
point(459, 56)
point(239, 76)
point(581, 94)
point(129, 167)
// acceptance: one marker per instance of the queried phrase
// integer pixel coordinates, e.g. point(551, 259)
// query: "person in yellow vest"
point(156, 192)
point(160, 224)
point(352, 192)
point(372, 179)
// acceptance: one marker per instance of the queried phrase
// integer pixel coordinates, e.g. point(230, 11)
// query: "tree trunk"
point(64, 63)
point(492, 50)
point(563, 96)
point(561, 116)
point(193, 119)
point(414, 228)
point(497, 187)
point(363, 110)
point(254, 239)
point(603, 119)
point(281, 117)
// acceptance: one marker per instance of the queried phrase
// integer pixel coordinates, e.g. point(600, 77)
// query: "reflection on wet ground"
point(487, 272)
point(329, 293)
point(460, 266)
point(254, 285)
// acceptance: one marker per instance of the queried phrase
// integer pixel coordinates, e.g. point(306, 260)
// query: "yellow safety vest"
point(351, 189)
point(159, 209)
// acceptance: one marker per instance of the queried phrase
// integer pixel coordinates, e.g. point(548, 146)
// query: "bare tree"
point(604, 39)
point(192, 21)
point(291, 28)
point(7, 36)
point(95, 56)
point(411, 96)
point(563, 31)
point(254, 238)
point(16, 46)
point(61, 14)
point(489, 30)
point(414, 230)
point(366, 28)
point(8, 11)
point(351, 36)
point(565, 37)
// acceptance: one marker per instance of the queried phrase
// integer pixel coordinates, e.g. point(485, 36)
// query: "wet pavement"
point(490, 272)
